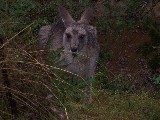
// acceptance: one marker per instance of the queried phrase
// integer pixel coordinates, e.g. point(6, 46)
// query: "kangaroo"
point(79, 40)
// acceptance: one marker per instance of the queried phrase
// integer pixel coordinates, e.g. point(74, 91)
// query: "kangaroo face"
point(75, 36)
point(74, 39)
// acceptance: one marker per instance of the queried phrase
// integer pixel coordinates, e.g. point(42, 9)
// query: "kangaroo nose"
point(74, 49)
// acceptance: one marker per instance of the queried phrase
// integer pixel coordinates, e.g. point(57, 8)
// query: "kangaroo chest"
point(77, 65)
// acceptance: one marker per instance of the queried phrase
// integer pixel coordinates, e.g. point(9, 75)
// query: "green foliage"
point(114, 21)
point(152, 47)
point(20, 8)
point(155, 36)
point(117, 84)
point(105, 55)
point(103, 25)
point(146, 49)
point(156, 80)
point(155, 62)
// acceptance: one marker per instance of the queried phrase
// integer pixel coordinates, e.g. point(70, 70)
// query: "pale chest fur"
point(77, 64)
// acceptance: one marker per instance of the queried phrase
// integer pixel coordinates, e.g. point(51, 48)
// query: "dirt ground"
point(126, 59)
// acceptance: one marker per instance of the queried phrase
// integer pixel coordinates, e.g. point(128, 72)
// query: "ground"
point(126, 59)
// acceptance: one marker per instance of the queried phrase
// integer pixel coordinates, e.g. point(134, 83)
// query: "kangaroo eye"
point(68, 35)
point(81, 36)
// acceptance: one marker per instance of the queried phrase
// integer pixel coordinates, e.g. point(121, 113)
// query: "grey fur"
point(79, 35)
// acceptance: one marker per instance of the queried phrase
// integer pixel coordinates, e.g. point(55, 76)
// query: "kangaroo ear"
point(86, 16)
point(66, 17)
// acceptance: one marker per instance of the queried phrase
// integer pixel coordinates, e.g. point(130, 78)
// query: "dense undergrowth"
point(43, 91)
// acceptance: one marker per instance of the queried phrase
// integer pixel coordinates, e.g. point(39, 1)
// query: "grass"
point(43, 91)
point(109, 106)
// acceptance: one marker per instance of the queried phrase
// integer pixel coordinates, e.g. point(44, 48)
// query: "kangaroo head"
point(75, 36)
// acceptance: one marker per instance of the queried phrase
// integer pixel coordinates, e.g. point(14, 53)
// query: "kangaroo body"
point(79, 40)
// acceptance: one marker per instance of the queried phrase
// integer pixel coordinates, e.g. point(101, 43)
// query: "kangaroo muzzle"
point(74, 49)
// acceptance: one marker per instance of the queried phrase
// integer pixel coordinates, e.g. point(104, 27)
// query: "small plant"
point(156, 80)
point(152, 47)
point(20, 8)
point(155, 62)
point(103, 25)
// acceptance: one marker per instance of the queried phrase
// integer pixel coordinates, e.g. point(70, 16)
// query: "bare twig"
point(8, 40)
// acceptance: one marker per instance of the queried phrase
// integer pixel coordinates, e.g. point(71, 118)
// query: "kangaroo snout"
point(74, 49)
